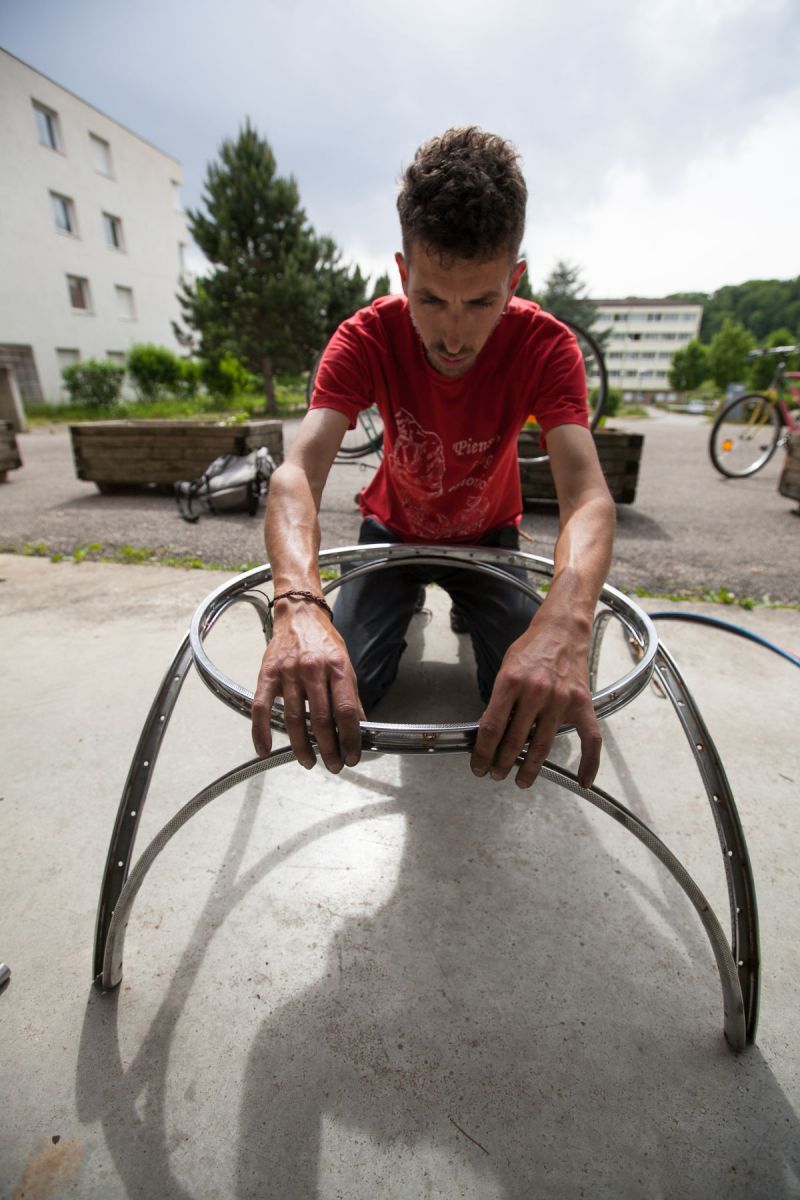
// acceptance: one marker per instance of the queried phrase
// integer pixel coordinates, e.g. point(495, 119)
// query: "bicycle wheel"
point(596, 374)
point(744, 436)
point(366, 438)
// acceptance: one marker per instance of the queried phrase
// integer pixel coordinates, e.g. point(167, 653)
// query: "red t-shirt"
point(449, 471)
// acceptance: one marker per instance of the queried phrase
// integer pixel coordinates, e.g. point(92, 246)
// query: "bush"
point(613, 402)
point(189, 378)
point(153, 370)
point(96, 382)
point(226, 376)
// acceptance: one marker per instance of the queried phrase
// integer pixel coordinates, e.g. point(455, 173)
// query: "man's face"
point(456, 306)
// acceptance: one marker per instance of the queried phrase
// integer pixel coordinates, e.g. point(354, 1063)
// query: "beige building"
point(642, 336)
point(92, 236)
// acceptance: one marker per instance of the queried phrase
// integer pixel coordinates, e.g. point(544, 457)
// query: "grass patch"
point(720, 596)
point(160, 556)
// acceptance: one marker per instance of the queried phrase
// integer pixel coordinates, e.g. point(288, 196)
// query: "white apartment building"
point(642, 336)
point(92, 237)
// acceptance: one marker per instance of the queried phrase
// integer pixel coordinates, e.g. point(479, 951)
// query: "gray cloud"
point(346, 89)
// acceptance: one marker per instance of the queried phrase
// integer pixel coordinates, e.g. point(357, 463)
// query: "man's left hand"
point(543, 683)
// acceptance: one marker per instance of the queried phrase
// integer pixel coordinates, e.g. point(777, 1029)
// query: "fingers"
point(542, 736)
point(504, 731)
point(347, 714)
point(266, 691)
point(490, 734)
point(294, 717)
point(331, 710)
point(591, 747)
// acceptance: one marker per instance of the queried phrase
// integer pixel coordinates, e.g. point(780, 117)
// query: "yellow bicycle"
point(749, 429)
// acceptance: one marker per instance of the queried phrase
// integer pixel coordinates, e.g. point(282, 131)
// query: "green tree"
point(727, 353)
point(566, 297)
point(690, 367)
point(262, 302)
point(762, 369)
point(381, 287)
point(761, 305)
point(343, 288)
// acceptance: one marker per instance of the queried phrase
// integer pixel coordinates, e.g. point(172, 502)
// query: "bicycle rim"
point(367, 436)
point(596, 374)
point(745, 436)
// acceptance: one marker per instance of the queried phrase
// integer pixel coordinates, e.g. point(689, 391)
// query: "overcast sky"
point(659, 138)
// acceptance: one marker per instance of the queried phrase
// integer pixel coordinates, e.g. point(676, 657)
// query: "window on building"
point(47, 126)
point(654, 316)
point(113, 229)
point(125, 306)
point(101, 154)
point(67, 357)
point(63, 213)
point(79, 296)
point(116, 356)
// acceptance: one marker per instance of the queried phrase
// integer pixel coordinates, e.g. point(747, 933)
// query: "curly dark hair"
point(464, 195)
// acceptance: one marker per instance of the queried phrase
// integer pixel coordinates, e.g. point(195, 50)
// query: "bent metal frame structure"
point(737, 958)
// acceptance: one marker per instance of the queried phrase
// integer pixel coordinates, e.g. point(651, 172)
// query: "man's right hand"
point(306, 660)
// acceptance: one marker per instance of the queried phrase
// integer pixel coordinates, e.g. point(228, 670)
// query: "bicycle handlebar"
point(773, 350)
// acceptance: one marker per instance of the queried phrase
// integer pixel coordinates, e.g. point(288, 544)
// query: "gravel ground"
point(688, 531)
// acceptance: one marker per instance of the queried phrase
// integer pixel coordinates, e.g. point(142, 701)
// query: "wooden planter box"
point(10, 457)
point(619, 453)
point(116, 455)
point(789, 482)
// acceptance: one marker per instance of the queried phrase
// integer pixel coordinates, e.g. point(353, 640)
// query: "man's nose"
point(453, 335)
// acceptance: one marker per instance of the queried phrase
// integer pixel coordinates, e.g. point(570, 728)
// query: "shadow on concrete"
point(509, 1023)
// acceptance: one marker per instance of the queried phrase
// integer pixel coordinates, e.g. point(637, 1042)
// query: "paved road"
point(689, 530)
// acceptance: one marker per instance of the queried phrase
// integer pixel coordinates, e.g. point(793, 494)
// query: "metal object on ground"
point(738, 962)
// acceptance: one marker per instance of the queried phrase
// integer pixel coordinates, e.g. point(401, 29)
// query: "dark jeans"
point(372, 613)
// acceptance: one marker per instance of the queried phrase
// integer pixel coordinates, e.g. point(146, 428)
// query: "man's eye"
point(481, 303)
point(431, 300)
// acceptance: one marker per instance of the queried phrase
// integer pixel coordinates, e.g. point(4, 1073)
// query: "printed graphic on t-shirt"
point(418, 461)
point(417, 457)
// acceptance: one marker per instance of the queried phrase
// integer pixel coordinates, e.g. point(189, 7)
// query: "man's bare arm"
point(306, 659)
point(543, 680)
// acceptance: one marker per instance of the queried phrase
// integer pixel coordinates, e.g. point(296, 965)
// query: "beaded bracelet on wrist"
point(298, 594)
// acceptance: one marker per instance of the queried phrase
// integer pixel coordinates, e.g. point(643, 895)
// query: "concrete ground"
point(399, 982)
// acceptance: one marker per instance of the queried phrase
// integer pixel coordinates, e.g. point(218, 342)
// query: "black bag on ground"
point(231, 483)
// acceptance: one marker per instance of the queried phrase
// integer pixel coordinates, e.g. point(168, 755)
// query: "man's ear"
point(516, 275)
point(402, 267)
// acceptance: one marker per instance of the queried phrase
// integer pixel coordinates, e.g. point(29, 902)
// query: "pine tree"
point(263, 301)
point(565, 296)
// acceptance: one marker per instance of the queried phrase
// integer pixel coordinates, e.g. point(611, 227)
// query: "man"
point(455, 366)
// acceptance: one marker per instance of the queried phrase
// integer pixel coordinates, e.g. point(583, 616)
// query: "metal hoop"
point(738, 965)
point(422, 738)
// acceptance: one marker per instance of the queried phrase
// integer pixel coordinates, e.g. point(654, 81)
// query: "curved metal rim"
point(424, 738)
point(734, 1017)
